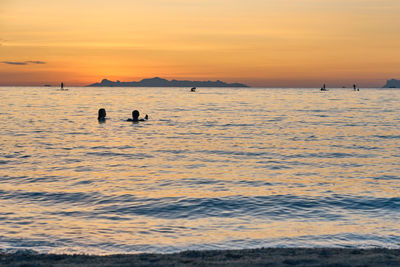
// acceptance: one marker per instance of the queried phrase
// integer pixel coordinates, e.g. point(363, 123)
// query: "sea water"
point(220, 168)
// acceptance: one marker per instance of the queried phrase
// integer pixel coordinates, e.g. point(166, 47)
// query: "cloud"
point(22, 62)
point(36, 62)
point(14, 63)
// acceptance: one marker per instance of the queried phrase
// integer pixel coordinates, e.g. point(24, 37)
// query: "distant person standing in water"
point(62, 87)
point(135, 117)
point(102, 115)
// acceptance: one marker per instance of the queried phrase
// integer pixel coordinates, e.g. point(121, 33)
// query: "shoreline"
point(252, 257)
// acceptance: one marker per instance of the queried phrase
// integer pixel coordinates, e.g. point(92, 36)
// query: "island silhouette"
point(160, 82)
point(393, 83)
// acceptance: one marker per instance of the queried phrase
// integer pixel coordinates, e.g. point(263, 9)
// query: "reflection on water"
point(222, 168)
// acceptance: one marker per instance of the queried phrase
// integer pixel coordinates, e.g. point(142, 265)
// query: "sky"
point(262, 43)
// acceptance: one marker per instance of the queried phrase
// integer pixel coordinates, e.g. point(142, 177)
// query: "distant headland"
point(393, 83)
point(159, 82)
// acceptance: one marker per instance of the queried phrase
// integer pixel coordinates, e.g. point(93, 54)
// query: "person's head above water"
point(135, 115)
point(102, 114)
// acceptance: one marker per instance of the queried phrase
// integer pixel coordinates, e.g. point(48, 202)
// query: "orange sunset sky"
point(285, 43)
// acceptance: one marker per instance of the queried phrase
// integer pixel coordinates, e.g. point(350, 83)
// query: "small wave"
point(123, 155)
point(330, 155)
point(234, 153)
point(112, 147)
point(237, 125)
point(51, 197)
point(387, 136)
point(277, 207)
point(173, 151)
point(386, 177)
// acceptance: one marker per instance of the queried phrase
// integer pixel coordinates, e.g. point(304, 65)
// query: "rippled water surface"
point(215, 169)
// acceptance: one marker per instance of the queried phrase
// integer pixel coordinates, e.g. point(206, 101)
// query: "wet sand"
point(251, 257)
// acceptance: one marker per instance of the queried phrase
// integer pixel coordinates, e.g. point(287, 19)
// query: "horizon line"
point(252, 87)
point(90, 84)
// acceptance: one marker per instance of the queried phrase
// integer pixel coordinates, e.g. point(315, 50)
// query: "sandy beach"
point(250, 257)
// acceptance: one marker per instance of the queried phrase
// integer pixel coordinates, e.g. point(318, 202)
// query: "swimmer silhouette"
point(102, 115)
point(135, 117)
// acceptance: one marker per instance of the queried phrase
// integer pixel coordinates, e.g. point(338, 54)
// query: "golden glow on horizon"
point(261, 43)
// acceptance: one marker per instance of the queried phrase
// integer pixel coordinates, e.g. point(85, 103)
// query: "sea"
point(219, 168)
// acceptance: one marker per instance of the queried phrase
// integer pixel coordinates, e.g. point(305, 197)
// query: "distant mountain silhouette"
point(159, 82)
point(393, 83)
